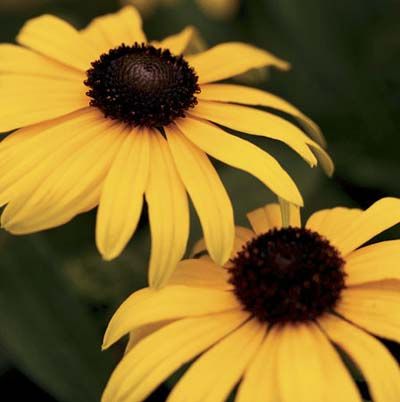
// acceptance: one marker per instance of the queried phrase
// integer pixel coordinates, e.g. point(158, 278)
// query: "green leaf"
point(44, 329)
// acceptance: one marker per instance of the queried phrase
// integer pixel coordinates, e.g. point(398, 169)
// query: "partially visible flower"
point(219, 9)
point(109, 118)
point(271, 317)
point(147, 7)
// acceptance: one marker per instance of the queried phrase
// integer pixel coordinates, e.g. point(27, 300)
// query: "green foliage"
point(46, 331)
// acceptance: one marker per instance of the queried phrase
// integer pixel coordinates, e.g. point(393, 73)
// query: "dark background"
point(56, 294)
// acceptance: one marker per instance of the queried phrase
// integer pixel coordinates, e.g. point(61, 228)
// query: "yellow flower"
point(147, 7)
point(108, 117)
point(219, 9)
point(269, 319)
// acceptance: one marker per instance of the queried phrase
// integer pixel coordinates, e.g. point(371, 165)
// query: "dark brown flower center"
point(142, 85)
point(288, 275)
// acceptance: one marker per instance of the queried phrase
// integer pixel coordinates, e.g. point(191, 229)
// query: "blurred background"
point(57, 295)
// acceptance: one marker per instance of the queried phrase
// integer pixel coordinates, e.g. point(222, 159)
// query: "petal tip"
point(109, 339)
point(283, 65)
point(107, 252)
point(108, 257)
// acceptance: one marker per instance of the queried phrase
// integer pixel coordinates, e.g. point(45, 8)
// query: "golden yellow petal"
point(121, 198)
point(177, 43)
point(309, 368)
point(331, 222)
point(148, 305)
point(58, 40)
point(380, 216)
point(15, 146)
point(265, 218)
point(51, 195)
point(373, 263)
point(385, 284)
point(241, 154)
point(257, 97)
point(229, 59)
point(373, 308)
point(147, 365)
point(142, 332)
point(260, 379)
point(27, 156)
point(257, 122)
point(18, 60)
point(377, 365)
point(112, 30)
point(213, 375)
point(28, 100)
point(168, 213)
point(200, 273)
point(242, 236)
point(207, 192)
point(290, 214)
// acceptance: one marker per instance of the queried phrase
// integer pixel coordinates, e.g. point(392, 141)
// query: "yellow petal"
point(18, 60)
point(112, 30)
point(142, 332)
point(264, 219)
point(150, 305)
point(241, 154)
point(58, 196)
point(229, 59)
point(168, 213)
point(242, 236)
point(207, 192)
point(257, 97)
point(260, 379)
point(257, 122)
point(376, 363)
point(28, 100)
point(331, 222)
point(309, 368)
point(15, 146)
point(372, 308)
point(177, 43)
point(55, 38)
point(200, 273)
point(380, 216)
point(373, 263)
point(121, 199)
point(148, 364)
point(386, 284)
point(213, 375)
point(290, 214)
point(33, 153)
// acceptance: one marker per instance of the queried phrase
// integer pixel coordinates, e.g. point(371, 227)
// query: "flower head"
point(273, 318)
point(106, 117)
point(219, 9)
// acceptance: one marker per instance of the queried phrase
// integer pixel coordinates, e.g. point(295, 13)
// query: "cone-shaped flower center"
point(288, 275)
point(142, 85)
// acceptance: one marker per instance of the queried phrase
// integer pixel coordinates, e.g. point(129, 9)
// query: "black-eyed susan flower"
point(219, 9)
point(108, 117)
point(270, 318)
point(148, 7)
